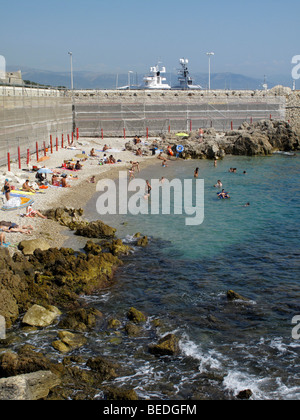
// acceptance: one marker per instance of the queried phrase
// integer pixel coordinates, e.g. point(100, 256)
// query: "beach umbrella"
point(44, 171)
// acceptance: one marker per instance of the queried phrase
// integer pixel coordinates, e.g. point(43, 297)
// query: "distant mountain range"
point(94, 80)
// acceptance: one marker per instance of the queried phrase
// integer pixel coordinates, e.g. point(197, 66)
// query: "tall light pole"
point(71, 59)
point(209, 54)
point(129, 78)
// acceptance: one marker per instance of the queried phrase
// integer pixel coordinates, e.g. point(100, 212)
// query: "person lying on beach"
point(164, 164)
point(7, 190)
point(14, 228)
point(105, 147)
point(26, 187)
point(30, 212)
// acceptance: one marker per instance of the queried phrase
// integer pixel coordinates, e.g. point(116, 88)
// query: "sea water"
point(182, 278)
point(184, 274)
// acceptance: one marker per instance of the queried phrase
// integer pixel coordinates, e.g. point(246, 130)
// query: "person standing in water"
point(196, 173)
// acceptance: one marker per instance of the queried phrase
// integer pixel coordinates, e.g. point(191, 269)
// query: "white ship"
point(185, 82)
point(154, 79)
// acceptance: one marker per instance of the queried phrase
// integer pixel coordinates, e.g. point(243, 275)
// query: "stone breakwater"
point(257, 139)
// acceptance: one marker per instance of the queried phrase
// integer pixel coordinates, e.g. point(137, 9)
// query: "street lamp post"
point(209, 54)
point(129, 78)
point(71, 59)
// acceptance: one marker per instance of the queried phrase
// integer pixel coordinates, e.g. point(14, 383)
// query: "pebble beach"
point(79, 193)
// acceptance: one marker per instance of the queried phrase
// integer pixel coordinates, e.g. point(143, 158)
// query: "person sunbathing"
point(64, 183)
point(14, 228)
point(26, 187)
point(92, 153)
point(30, 212)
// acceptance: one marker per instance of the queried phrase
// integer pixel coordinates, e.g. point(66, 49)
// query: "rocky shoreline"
point(39, 288)
point(258, 139)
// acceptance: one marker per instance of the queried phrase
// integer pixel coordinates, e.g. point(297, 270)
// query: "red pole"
point(270, 116)
point(8, 161)
point(231, 125)
point(37, 151)
point(251, 120)
point(72, 137)
point(191, 125)
point(45, 154)
point(68, 139)
point(62, 141)
point(102, 135)
point(51, 144)
point(77, 133)
point(125, 133)
point(147, 135)
point(19, 157)
point(28, 156)
point(169, 129)
point(57, 144)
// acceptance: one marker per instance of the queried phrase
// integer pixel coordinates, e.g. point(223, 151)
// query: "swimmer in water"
point(219, 184)
point(196, 173)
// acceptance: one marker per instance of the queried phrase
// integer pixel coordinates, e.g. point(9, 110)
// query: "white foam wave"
point(208, 361)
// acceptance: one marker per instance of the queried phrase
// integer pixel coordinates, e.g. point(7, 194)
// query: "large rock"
point(38, 316)
point(167, 346)
point(28, 387)
point(25, 361)
point(95, 229)
point(28, 247)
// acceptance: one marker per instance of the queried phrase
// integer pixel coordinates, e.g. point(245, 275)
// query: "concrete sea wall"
point(31, 115)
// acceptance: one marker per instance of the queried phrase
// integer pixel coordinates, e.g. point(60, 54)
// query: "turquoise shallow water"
point(184, 274)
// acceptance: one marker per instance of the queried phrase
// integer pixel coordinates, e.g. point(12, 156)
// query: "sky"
point(254, 38)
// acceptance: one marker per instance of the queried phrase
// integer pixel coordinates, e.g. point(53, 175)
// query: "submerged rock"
point(136, 316)
point(232, 295)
